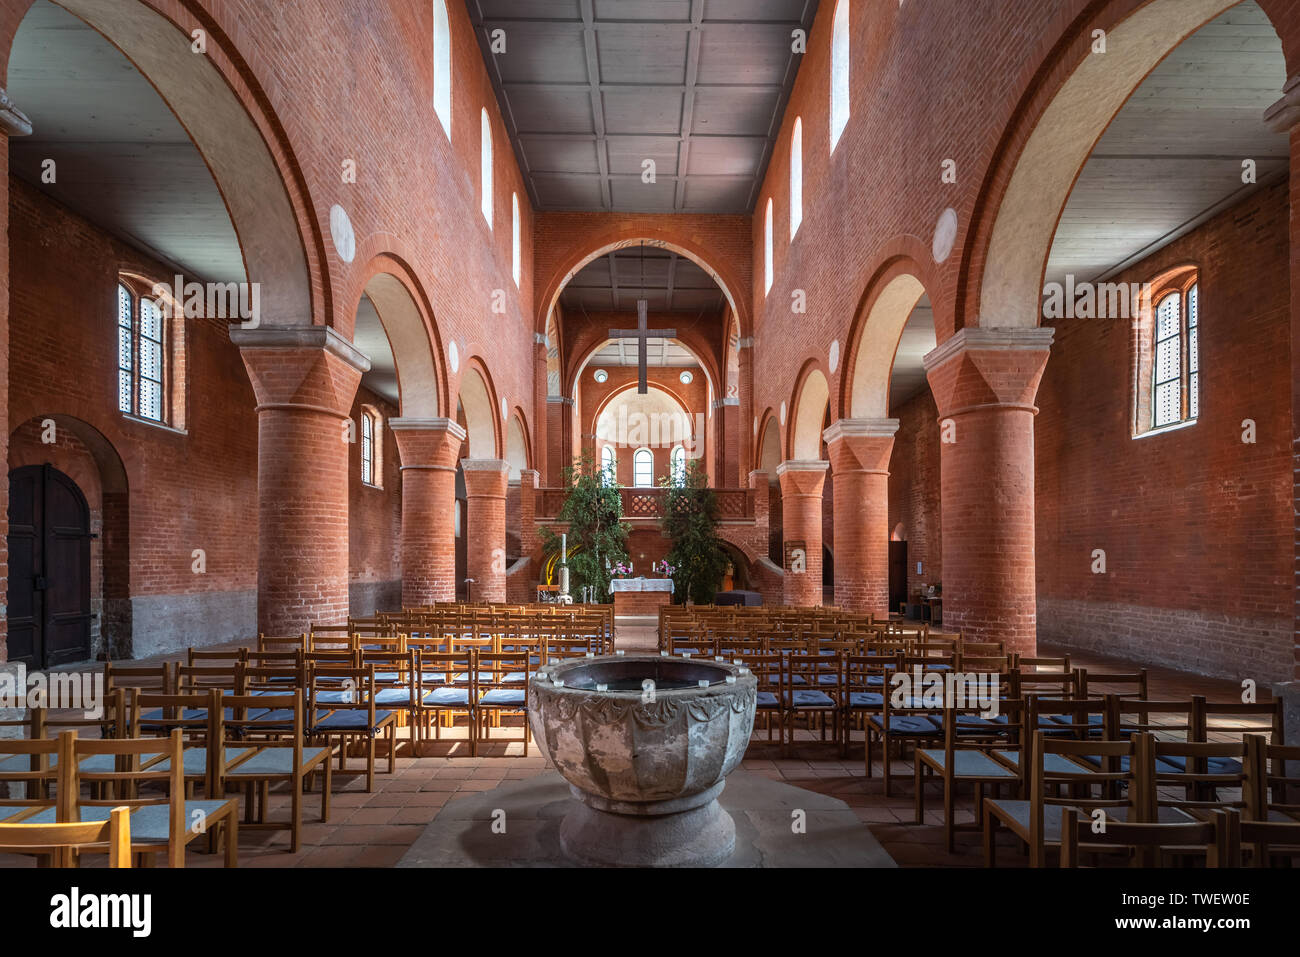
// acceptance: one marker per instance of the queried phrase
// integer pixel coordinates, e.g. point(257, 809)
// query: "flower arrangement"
point(622, 569)
point(664, 568)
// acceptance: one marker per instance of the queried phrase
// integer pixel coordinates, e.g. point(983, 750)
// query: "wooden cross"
point(642, 334)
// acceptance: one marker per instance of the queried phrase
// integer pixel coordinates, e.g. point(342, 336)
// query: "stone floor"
point(379, 829)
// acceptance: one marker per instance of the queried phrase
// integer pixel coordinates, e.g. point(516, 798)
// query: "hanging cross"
point(642, 334)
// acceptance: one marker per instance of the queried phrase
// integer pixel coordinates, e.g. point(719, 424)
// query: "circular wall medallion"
point(345, 241)
point(453, 356)
point(945, 234)
point(835, 355)
point(600, 375)
point(686, 377)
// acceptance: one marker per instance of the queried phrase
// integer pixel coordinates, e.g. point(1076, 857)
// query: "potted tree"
point(697, 557)
point(593, 510)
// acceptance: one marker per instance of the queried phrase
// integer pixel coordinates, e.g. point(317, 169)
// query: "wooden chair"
point(156, 678)
point(501, 688)
point(983, 754)
point(1036, 821)
point(29, 764)
point(769, 676)
point(443, 698)
point(279, 756)
point(160, 824)
point(1145, 842)
point(64, 844)
point(345, 698)
point(1097, 684)
point(865, 678)
point(814, 689)
point(907, 718)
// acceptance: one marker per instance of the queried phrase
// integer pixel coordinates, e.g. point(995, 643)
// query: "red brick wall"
point(914, 489)
point(1195, 524)
point(186, 491)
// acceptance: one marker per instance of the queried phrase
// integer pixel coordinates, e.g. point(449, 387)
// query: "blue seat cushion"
point(447, 696)
point(149, 824)
point(922, 725)
point(391, 697)
point(766, 699)
point(503, 696)
point(352, 719)
point(515, 678)
point(809, 699)
point(273, 762)
point(1177, 764)
point(973, 721)
point(194, 761)
point(338, 697)
point(866, 699)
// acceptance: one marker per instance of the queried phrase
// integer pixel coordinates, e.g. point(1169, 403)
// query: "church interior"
point(470, 433)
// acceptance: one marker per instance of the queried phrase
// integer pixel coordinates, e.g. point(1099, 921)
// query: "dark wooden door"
point(897, 574)
point(49, 568)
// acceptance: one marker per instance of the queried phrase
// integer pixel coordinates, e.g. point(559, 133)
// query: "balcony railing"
point(734, 504)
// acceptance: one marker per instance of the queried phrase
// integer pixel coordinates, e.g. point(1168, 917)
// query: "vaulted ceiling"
point(593, 89)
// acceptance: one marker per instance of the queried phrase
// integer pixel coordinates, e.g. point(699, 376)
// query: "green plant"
point(593, 510)
point(690, 519)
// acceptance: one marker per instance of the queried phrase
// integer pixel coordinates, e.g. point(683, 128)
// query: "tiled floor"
point(376, 829)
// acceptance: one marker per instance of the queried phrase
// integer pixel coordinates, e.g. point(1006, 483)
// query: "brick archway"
point(408, 323)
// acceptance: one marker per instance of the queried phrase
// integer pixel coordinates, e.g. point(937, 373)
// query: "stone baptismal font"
point(645, 743)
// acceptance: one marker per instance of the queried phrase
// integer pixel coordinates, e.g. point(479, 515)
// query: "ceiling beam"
point(597, 99)
point(693, 43)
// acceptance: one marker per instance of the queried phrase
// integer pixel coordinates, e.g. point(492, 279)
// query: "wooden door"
point(897, 574)
point(49, 568)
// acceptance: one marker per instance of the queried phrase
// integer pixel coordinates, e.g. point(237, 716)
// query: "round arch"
point(479, 404)
point(581, 367)
point(246, 151)
point(887, 303)
point(517, 450)
point(729, 282)
point(769, 454)
point(407, 318)
point(812, 399)
point(1017, 223)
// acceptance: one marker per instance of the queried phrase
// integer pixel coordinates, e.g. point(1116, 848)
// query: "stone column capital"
point(802, 476)
point(529, 478)
point(860, 445)
point(981, 368)
point(427, 444)
point(307, 338)
point(760, 478)
point(13, 121)
point(486, 478)
point(1284, 115)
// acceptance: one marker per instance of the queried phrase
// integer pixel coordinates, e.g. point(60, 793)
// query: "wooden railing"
point(734, 504)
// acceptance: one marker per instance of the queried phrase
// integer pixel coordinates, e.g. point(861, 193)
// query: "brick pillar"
point(747, 436)
point(485, 528)
point(12, 123)
point(1284, 117)
point(859, 453)
point(538, 417)
point(984, 383)
point(428, 449)
point(801, 510)
point(305, 379)
point(760, 485)
point(559, 438)
point(530, 542)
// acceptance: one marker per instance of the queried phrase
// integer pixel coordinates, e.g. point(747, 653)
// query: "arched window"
point(796, 177)
point(516, 241)
point(767, 249)
point(608, 465)
point(486, 168)
point(643, 468)
point(839, 72)
point(371, 434)
point(678, 466)
point(442, 65)
point(141, 356)
point(1169, 360)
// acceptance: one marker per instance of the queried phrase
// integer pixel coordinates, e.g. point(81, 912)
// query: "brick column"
point(760, 485)
point(559, 438)
point(305, 379)
point(801, 510)
point(538, 418)
point(428, 449)
point(530, 542)
point(1284, 117)
point(984, 383)
point(859, 453)
point(12, 123)
point(485, 528)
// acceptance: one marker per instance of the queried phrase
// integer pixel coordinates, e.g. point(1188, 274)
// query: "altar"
point(640, 596)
